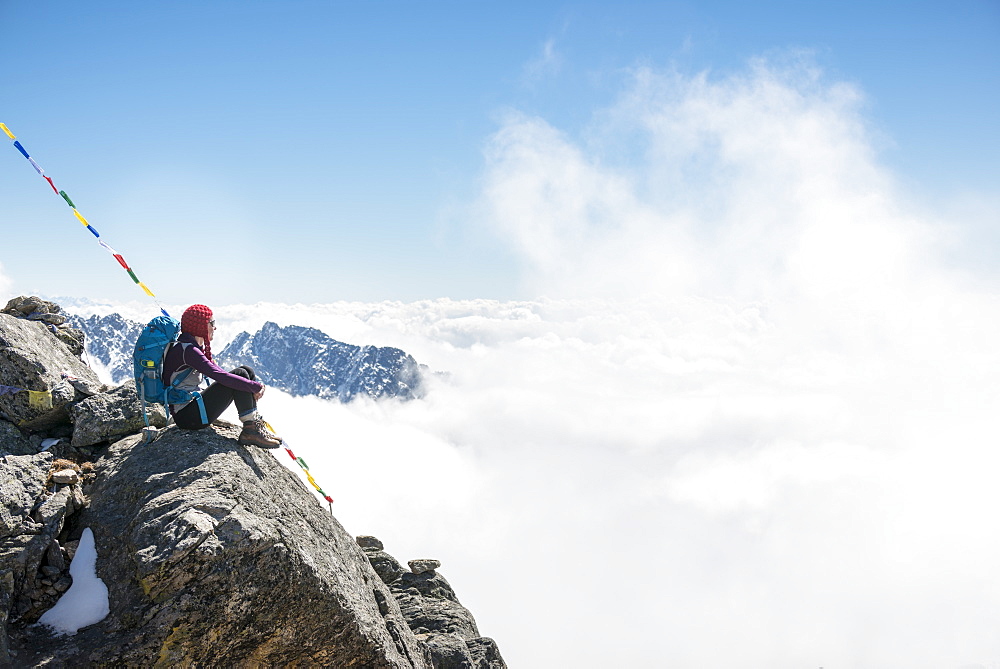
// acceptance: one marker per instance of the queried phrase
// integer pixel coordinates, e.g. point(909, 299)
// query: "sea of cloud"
point(752, 423)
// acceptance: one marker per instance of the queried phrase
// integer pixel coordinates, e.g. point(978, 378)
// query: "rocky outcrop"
point(216, 554)
point(212, 553)
point(428, 602)
point(34, 358)
point(49, 314)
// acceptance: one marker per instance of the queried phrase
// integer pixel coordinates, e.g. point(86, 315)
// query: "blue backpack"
point(147, 366)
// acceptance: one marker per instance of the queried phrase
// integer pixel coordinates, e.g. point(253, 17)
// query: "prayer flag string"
point(305, 468)
point(39, 398)
point(79, 217)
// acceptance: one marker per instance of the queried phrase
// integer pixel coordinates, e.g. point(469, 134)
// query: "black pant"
point(217, 398)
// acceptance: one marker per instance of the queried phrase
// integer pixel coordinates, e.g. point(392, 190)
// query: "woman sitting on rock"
point(193, 350)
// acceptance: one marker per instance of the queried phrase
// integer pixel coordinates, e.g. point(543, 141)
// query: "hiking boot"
point(255, 433)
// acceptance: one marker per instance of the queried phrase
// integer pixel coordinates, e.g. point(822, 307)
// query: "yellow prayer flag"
point(312, 480)
point(40, 399)
point(9, 133)
point(80, 217)
point(148, 291)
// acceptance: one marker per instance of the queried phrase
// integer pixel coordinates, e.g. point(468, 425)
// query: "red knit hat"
point(195, 322)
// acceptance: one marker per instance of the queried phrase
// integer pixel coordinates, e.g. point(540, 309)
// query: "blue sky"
point(319, 151)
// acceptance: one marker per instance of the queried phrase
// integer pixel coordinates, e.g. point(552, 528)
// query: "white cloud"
point(751, 186)
point(546, 64)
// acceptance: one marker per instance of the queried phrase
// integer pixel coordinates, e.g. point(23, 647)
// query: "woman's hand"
point(260, 393)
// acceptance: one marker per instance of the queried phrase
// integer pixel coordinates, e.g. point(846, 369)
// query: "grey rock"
point(33, 359)
point(386, 566)
point(26, 305)
point(448, 650)
point(49, 572)
point(22, 482)
point(21, 553)
point(74, 339)
point(446, 629)
point(6, 601)
point(423, 566)
point(66, 477)
point(87, 388)
point(484, 652)
point(366, 542)
point(111, 415)
point(55, 558)
point(454, 652)
point(429, 604)
point(37, 309)
point(69, 548)
point(49, 319)
point(63, 584)
point(216, 554)
point(13, 441)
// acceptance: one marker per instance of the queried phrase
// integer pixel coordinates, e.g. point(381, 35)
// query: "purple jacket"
point(179, 358)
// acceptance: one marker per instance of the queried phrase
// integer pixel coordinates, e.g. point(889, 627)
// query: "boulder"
point(33, 359)
point(366, 542)
point(423, 566)
point(112, 415)
point(215, 554)
point(66, 477)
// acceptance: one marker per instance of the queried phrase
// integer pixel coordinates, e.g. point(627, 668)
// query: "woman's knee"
point(246, 371)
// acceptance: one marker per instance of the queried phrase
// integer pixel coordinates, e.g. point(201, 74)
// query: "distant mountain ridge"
point(306, 361)
point(109, 343)
point(298, 360)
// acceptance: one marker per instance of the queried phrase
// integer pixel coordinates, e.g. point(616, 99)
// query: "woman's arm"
point(195, 357)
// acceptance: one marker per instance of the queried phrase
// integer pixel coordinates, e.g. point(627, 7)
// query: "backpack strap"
point(201, 407)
